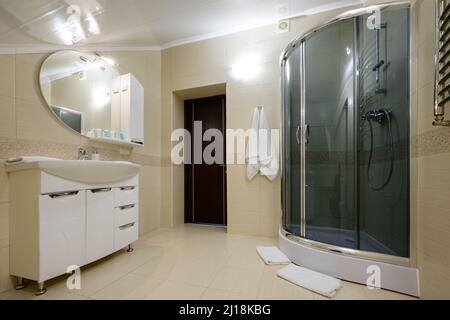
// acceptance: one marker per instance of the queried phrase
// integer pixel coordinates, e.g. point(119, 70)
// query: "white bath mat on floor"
point(272, 255)
point(311, 280)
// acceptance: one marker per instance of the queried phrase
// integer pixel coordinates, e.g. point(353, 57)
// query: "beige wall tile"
point(27, 81)
point(4, 225)
point(4, 184)
point(8, 117)
point(35, 121)
point(6, 282)
point(7, 75)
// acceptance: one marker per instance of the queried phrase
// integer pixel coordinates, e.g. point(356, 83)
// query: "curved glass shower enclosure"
point(346, 115)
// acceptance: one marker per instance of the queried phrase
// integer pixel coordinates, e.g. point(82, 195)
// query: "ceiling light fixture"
point(109, 61)
point(92, 25)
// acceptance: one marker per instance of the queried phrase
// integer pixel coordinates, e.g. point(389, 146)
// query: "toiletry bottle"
point(95, 155)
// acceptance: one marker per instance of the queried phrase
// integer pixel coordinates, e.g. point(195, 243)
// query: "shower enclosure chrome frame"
point(299, 41)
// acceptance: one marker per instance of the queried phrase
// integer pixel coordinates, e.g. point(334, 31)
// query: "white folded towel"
point(311, 280)
point(272, 255)
point(17, 160)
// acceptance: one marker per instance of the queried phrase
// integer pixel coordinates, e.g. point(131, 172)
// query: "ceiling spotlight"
point(81, 75)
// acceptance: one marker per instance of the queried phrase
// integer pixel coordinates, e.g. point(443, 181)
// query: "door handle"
point(127, 226)
point(127, 188)
point(63, 194)
point(306, 133)
point(296, 135)
point(101, 190)
point(130, 206)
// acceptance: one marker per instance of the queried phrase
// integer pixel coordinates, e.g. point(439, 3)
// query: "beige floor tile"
point(274, 288)
point(200, 273)
point(93, 279)
point(243, 280)
point(160, 266)
point(175, 291)
point(215, 294)
point(129, 287)
point(190, 262)
point(53, 293)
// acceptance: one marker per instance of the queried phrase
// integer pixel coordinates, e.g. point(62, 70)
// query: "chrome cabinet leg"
point(20, 283)
point(41, 289)
point(130, 248)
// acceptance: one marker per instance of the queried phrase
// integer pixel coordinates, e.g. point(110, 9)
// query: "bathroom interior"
point(100, 99)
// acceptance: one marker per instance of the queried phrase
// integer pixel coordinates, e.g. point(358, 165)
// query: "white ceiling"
point(140, 23)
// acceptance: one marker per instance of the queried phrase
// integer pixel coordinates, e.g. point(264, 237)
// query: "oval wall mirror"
point(79, 89)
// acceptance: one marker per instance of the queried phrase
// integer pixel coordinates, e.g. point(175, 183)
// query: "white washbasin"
point(86, 171)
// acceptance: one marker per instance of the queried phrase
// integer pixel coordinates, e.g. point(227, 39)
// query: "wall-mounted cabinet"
point(127, 108)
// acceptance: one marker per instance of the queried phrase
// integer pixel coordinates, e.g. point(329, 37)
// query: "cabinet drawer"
point(124, 235)
point(126, 195)
point(126, 214)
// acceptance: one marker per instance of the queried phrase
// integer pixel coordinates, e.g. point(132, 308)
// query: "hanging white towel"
point(252, 147)
point(268, 155)
point(272, 255)
point(311, 280)
point(262, 152)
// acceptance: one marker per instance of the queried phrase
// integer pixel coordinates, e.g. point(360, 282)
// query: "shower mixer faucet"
point(378, 115)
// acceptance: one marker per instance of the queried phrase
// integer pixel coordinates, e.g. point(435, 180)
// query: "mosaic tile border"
point(10, 147)
point(426, 144)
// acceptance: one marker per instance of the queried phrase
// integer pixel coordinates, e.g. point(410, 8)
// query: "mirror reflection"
point(89, 95)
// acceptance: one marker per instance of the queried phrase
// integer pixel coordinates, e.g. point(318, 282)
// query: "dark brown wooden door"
point(205, 184)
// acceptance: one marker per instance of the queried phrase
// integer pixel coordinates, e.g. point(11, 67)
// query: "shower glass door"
point(346, 135)
point(291, 148)
point(329, 136)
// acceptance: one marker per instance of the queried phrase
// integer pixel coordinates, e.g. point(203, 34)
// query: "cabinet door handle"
point(63, 194)
point(127, 188)
point(127, 226)
point(101, 190)
point(130, 206)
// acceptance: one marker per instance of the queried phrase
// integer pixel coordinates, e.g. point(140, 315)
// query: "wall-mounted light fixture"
point(246, 68)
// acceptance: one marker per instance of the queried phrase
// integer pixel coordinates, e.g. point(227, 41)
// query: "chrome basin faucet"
point(81, 154)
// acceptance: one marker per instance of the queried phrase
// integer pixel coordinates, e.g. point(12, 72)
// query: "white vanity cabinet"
point(57, 223)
